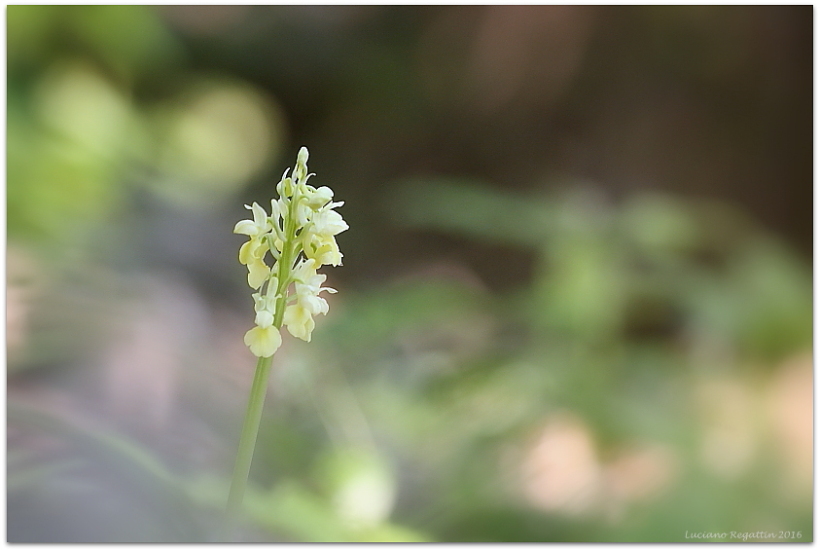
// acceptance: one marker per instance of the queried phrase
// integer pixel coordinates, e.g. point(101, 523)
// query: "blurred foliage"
point(515, 354)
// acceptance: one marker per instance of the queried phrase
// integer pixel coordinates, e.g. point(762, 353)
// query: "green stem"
point(285, 264)
point(247, 441)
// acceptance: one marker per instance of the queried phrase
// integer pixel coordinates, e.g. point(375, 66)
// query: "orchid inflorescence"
point(300, 235)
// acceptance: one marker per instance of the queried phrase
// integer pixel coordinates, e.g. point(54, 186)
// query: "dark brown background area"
point(698, 100)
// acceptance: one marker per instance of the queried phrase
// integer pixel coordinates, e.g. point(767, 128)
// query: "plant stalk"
point(247, 440)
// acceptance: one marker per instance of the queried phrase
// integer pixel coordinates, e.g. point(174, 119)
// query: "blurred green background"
point(576, 300)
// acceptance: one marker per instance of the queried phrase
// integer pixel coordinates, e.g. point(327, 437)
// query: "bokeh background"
point(576, 300)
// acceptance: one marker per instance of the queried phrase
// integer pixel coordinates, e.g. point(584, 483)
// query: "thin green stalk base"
point(247, 441)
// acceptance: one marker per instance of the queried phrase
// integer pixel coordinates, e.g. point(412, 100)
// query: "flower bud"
point(300, 170)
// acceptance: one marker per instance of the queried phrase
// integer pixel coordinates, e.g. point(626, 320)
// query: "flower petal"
point(260, 217)
point(263, 341)
point(320, 197)
point(264, 318)
point(246, 227)
point(299, 322)
point(258, 273)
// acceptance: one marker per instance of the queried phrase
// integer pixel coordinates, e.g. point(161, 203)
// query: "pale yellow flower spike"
point(300, 235)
